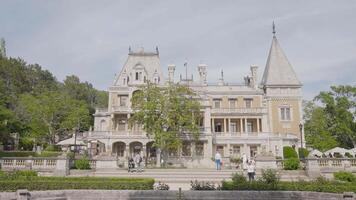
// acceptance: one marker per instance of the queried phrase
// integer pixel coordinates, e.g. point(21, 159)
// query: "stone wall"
point(171, 195)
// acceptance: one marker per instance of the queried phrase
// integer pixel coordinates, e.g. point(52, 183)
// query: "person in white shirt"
point(138, 161)
point(218, 160)
point(251, 171)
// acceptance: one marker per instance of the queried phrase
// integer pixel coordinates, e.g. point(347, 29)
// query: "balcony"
point(121, 109)
point(253, 110)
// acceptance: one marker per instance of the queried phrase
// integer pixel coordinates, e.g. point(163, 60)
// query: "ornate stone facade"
point(249, 118)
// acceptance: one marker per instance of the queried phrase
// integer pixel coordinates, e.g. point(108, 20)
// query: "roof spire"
point(273, 29)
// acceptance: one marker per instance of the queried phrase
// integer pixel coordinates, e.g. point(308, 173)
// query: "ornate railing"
point(253, 110)
point(14, 163)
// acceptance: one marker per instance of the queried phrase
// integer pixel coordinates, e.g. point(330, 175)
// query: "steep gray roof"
point(278, 71)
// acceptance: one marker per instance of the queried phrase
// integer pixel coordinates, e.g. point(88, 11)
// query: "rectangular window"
point(217, 103)
point(248, 103)
point(232, 103)
point(236, 150)
point(249, 127)
point(199, 149)
point(218, 127)
point(233, 127)
point(136, 77)
point(123, 100)
point(285, 113)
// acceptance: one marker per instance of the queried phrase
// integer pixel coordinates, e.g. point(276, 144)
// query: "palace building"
point(238, 119)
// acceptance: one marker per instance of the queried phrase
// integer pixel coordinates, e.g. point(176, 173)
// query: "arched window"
point(102, 125)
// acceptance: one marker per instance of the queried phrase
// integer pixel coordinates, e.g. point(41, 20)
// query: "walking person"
point(138, 161)
point(251, 171)
point(218, 160)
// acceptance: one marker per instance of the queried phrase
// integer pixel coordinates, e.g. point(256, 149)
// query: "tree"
point(166, 114)
point(333, 122)
point(52, 115)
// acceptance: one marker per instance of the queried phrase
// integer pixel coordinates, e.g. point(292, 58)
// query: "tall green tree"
point(331, 121)
point(52, 115)
point(167, 114)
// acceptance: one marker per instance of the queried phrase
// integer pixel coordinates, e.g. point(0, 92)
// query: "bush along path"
point(29, 180)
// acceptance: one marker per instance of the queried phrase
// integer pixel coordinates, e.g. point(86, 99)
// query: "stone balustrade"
point(253, 110)
point(57, 166)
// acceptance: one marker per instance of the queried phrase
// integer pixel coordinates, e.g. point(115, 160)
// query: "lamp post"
point(301, 140)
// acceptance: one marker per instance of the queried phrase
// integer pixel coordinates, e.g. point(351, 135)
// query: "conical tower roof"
point(278, 72)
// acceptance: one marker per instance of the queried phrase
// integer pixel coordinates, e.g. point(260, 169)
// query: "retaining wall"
point(171, 195)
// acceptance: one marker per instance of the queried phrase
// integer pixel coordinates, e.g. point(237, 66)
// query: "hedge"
point(289, 152)
point(303, 152)
point(62, 183)
point(345, 176)
point(291, 164)
point(313, 186)
point(28, 153)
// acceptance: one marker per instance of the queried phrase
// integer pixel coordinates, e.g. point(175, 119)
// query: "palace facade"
point(249, 118)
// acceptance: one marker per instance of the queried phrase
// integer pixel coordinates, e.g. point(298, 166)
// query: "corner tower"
point(283, 93)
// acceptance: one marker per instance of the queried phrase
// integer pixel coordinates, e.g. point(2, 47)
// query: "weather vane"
point(274, 29)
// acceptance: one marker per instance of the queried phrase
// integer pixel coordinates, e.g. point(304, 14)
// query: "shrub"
point(48, 154)
point(53, 148)
point(238, 178)
point(303, 152)
point(289, 152)
point(26, 173)
point(291, 164)
point(344, 176)
point(161, 186)
point(270, 177)
point(82, 163)
point(202, 185)
point(62, 183)
point(347, 154)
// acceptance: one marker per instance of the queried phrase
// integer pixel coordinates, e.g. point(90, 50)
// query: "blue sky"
point(90, 38)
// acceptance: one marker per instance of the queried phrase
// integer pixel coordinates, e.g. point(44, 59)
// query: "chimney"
point(221, 79)
point(171, 69)
point(254, 77)
point(202, 73)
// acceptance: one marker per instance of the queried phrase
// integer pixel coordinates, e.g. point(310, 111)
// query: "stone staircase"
point(176, 178)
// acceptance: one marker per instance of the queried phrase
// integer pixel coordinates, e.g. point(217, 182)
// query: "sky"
point(90, 39)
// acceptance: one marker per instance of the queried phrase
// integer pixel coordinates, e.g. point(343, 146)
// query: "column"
point(224, 125)
point(207, 124)
point(245, 125)
point(258, 125)
point(241, 127)
point(213, 124)
point(143, 152)
point(127, 151)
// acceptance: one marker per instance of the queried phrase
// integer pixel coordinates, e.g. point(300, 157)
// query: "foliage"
point(166, 113)
point(348, 155)
point(270, 177)
point(38, 107)
point(345, 176)
point(291, 164)
point(202, 185)
point(28, 153)
point(53, 148)
point(235, 160)
point(289, 152)
point(62, 183)
point(303, 152)
point(160, 186)
point(238, 178)
point(319, 185)
point(332, 122)
point(82, 163)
